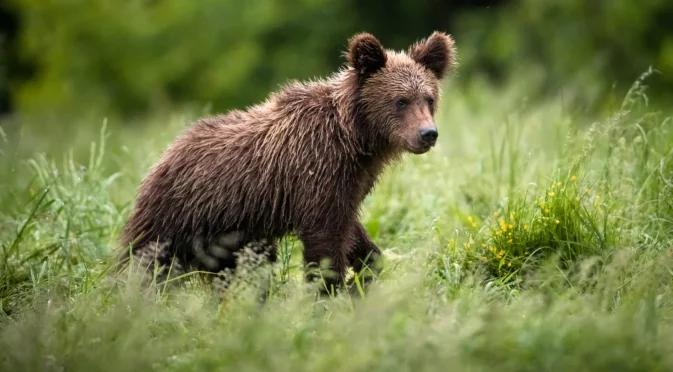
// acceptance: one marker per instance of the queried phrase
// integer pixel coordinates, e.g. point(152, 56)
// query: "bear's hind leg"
point(156, 264)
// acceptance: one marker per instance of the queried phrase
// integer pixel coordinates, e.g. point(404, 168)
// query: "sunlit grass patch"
point(562, 219)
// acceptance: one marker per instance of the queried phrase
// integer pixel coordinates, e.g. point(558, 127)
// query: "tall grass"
point(531, 238)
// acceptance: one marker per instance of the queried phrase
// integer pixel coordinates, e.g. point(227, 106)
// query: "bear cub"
point(299, 163)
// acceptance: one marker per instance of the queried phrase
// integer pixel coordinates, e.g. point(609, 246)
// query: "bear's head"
point(399, 91)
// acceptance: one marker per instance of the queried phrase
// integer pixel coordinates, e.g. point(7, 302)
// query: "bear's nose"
point(429, 134)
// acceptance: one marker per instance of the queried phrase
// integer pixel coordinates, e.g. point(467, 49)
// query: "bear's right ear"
point(365, 54)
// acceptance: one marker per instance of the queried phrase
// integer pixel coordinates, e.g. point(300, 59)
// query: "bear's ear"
point(437, 53)
point(365, 54)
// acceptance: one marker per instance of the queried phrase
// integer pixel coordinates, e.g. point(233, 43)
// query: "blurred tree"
point(403, 22)
point(9, 28)
point(590, 45)
point(133, 55)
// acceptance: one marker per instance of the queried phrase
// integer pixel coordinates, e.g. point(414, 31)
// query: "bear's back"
point(263, 170)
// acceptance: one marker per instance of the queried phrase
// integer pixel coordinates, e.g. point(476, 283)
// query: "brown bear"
point(299, 164)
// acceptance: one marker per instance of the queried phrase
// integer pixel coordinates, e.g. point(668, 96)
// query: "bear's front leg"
point(364, 253)
point(325, 247)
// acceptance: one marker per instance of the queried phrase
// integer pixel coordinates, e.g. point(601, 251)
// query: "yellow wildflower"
point(598, 197)
point(469, 218)
point(525, 227)
point(573, 178)
point(511, 226)
point(558, 222)
point(483, 245)
point(558, 184)
point(484, 258)
point(509, 264)
point(474, 224)
point(546, 211)
point(496, 214)
point(551, 193)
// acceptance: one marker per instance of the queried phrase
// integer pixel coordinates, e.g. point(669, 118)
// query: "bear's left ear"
point(437, 53)
point(365, 54)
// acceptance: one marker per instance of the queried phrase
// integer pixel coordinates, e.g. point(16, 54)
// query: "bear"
point(299, 163)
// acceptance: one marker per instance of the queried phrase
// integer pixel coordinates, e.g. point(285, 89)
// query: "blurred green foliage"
point(592, 45)
point(137, 56)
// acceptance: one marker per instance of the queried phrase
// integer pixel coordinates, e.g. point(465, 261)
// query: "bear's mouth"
point(422, 149)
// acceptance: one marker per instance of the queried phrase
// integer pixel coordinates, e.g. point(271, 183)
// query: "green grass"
point(531, 238)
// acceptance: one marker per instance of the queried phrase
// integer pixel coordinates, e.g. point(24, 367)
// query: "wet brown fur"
point(299, 163)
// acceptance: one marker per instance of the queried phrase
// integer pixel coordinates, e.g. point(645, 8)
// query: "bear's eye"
point(431, 101)
point(402, 103)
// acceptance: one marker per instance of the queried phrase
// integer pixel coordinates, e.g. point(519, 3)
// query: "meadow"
point(532, 238)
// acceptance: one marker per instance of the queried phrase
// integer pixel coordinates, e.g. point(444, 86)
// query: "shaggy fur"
point(299, 163)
